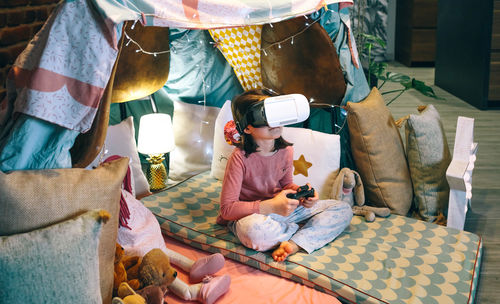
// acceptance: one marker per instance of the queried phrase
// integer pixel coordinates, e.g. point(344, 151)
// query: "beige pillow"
point(32, 199)
point(428, 158)
point(379, 155)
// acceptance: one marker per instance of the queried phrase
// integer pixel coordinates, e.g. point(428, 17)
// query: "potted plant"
point(376, 71)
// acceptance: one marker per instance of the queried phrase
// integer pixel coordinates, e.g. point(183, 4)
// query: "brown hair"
point(239, 107)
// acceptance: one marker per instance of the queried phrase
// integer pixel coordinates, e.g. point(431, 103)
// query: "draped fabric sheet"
point(205, 14)
point(61, 75)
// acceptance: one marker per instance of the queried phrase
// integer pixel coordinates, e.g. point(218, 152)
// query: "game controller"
point(301, 192)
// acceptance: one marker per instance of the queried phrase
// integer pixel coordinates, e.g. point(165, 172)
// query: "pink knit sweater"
point(248, 180)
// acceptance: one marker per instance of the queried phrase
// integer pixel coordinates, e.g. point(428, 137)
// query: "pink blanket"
point(250, 285)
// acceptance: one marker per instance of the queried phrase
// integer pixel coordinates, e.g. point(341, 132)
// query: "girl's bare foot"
point(285, 249)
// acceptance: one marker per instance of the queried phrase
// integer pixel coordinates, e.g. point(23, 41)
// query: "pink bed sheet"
point(250, 285)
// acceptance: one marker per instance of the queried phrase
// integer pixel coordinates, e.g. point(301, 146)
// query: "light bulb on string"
point(292, 40)
point(271, 25)
point(279, 45)
point(307, 23)
point(133, 25)
point(128, 42)
point(264, 52)
point(137, 51)
point(154, 54)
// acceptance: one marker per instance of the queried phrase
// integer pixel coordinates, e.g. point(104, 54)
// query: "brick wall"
point(20, 20)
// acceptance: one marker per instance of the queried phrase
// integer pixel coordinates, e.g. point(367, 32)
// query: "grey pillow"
point(56, 264)
point(428, 158)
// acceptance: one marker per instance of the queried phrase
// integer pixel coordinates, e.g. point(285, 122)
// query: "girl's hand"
point(310, 201)
point(280, 204)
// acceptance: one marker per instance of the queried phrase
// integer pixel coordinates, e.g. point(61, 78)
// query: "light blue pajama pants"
point(325, 221)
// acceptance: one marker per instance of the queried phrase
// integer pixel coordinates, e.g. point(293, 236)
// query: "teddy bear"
point(149, 295)
point(348, 187)
point(125, 269)
point(155, 269)
point(155, 274)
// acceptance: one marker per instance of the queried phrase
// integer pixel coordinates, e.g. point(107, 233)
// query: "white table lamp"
point(156, 137)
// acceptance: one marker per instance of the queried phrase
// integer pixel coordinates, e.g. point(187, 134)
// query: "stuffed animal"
point(148, 295)
point(155, 269)
point(348, 187)
point(153, 294)
point(126, 295)
point(124, 265)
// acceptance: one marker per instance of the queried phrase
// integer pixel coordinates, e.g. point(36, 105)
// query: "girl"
point(256, 182)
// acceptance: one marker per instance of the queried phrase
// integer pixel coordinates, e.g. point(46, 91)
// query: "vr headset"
point(275, 111)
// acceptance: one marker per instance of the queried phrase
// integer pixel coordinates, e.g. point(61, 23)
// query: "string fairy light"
point(140, 49)
point(291, 38)
point(218, 44)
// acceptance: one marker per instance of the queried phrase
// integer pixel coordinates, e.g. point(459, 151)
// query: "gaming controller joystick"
point(301, 192)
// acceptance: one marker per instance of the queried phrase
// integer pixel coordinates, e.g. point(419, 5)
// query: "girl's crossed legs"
point(325, 221)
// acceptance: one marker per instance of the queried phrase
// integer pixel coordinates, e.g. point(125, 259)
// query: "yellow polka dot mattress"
point(391, 260)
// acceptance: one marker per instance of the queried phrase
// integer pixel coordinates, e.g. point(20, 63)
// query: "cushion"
point(316, 158)
point(378, 153)
point(320, 149)
point(58, 263)
point(194, 134)
point(428, 158)
point(33, 199)
point(120, 140)
point(222, 149)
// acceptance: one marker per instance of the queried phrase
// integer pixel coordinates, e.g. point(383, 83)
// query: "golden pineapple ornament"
point(157, 174)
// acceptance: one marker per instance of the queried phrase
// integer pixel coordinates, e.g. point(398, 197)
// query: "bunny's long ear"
point(338, 184)
point(359, 191)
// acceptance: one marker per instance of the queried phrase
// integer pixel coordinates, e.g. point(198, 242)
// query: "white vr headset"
point(275, 111)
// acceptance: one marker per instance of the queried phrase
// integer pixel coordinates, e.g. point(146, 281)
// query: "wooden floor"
point(484, 216)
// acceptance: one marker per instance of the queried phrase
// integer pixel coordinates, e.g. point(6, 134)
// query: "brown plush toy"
point(126, 295)
point(126, 269)
point(155, 269)
point(148, 295)
point(348, 187)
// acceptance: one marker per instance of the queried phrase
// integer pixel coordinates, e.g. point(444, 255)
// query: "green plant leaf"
point(424, 89)
point(396, 77)
point(378, 69)
point(373, 39)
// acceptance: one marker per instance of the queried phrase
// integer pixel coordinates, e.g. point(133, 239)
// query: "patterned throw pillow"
point(428, 157)
point(56, 264)
point(378, 153)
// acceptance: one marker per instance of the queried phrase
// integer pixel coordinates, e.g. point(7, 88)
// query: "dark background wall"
point(20, 20)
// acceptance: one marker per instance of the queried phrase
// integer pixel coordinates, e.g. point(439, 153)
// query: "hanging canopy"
point(207, 14)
